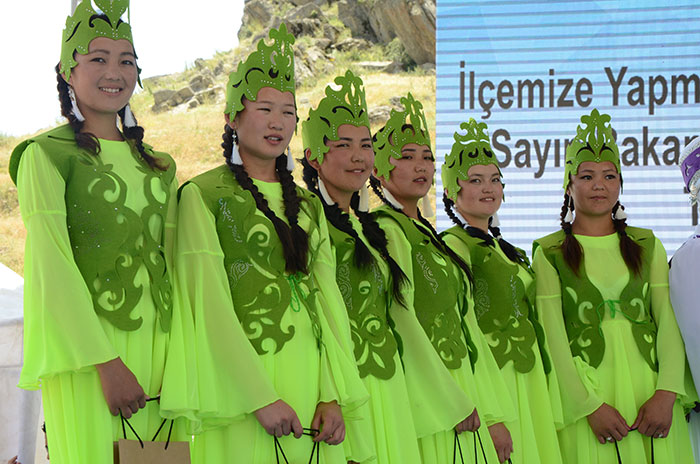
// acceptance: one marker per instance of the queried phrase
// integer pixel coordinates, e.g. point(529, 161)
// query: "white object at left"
point(19, 409)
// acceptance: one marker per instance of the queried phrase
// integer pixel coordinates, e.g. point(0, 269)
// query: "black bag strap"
point(315, 450)
point(126, 421)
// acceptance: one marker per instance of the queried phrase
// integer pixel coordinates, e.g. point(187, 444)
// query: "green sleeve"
point(438, 403)
point(462, 250)
point(576, 379)
point(62, 332)
point(340, 379)
point(669, 344)
point(228, 386)
point(495, 404)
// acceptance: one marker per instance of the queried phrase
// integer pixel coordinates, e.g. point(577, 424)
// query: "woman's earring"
point(235, 154)
point(363, 205)
point(290, 160)
point(620, 214)
point(76, 111)
point(129, 120)
point(569, 218)
point(427, 207)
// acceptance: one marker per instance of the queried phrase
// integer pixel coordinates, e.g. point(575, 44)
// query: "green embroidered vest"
point(366, 297)
point(584, 306)
point(504, 307)
point(262, 290)
point(110, 242)
point(439, 294)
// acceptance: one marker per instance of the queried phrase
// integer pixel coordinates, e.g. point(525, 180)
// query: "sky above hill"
point(166, 39)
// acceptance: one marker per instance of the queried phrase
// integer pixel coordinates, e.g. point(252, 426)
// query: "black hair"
point(431, 233)
point(295, 241)
point(509, 250)
point(573, 252)
point(370, 228)
point(87, 140)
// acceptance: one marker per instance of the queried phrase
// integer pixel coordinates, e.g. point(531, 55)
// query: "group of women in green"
point(278, 323)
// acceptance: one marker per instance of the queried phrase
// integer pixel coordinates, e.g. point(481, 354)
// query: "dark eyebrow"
point(408, 149)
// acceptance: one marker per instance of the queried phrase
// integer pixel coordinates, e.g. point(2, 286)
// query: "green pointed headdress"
point(344, 106)
point(268, 66)
point(403, 127)
point(594, 141)
point(470, 149)
point(84, 25)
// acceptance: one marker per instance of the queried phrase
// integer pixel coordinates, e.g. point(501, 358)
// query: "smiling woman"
point(603, 296)
point(99, 208)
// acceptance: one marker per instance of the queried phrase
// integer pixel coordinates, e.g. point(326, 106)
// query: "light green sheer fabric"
point(533, 432)
point(624, 379)
point(234, 380)
point(64, 338)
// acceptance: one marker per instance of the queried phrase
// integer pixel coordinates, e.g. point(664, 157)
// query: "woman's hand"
point(470, 424)
point(328, 418)
point(501, 441)
point(654, 417)
point(120, 387)
point(607, 424)
point(279, 419)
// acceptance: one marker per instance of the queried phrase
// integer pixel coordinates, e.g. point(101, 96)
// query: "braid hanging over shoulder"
point(295, 242)
point(88, 141)
point(431, 233)
point(374, 234)
point(631, 251)
point(570, 247)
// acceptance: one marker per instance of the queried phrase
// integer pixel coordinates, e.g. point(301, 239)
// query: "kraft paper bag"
point(152, 452)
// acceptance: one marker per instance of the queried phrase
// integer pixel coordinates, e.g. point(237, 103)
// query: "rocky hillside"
point(391, 36)
point(183, 112)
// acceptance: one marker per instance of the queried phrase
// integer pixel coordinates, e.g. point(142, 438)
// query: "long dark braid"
point(295, 242)
point(377, 238)
point(84, 140)
point(509, 250)
point(370, 228)
point(573, 252)
point(432, 234)
point(570, 247)
point(337, 217)
point(88, 141)
point(631, 251)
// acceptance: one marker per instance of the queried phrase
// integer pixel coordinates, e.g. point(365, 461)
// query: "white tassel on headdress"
point(324, 193)
point(76, 111)
point(236, 155)
point(620, 214)
point(363, 206)
point(390, 198)
point(290, 161)
point(427, 207)
point(129, 120)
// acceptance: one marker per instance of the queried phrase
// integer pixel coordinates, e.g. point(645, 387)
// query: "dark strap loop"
point(481, 445)
point(457, 445)
point(652, 450)
point(126, 421)
point(617, 450)
point(315, 450)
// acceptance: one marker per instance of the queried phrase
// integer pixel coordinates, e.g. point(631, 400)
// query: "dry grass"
point(193, 138)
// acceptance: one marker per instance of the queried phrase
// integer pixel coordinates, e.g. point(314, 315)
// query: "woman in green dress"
point(439, 287)
point(603, 298)
point(504, 291)
point(99, 207)
point(387, 338)
point(253, 265)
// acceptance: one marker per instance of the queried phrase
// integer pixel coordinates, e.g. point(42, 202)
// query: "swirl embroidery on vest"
point(427, 272)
